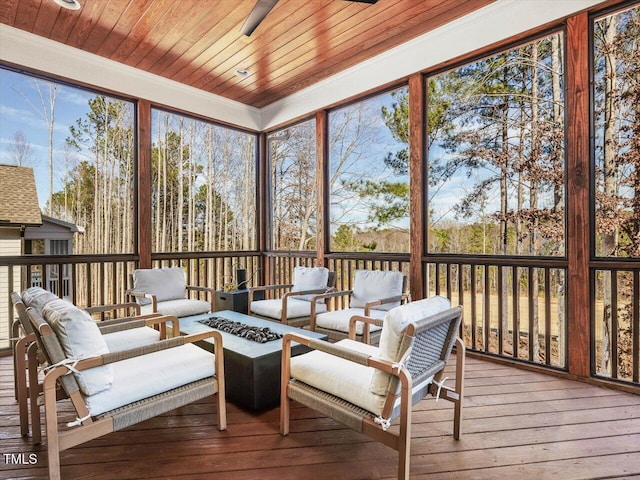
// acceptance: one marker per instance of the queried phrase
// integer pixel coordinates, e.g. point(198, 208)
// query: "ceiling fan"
point(262, 9)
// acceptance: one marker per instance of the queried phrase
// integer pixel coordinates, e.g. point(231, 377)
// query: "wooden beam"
point(416, 184)
point(578, 187)
point(143, 212)
point(322, 180)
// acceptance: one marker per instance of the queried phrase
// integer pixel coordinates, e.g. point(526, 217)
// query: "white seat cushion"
point(131, 338)
point(80, 338)
point(339, 320)
point(164, 283)
point(342, 378)
point(295, 308)
point(147, 375)
point(184, 307)
point(370, 285)
point(394, 324)
point(309, 278)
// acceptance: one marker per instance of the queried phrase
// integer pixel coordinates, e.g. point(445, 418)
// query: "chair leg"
point(404, 440)
point(222, 403)
point(20, 373)
point(34, 390)
point(15, 333)
point(284, 382)
point(460, 360)
point(51, 418)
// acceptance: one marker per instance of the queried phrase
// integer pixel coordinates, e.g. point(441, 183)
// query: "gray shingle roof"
point(18, 196)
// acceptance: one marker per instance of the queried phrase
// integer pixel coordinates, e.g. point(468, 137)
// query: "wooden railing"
point(212, 269)
point(101, 279)
point(500, 315)
point(513, 307)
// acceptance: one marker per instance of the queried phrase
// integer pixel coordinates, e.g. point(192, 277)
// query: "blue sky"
point(20, 99)
point(16, 92)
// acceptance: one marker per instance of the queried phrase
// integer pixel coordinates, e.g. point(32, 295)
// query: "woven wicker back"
point(50, 345)
point(426, 345)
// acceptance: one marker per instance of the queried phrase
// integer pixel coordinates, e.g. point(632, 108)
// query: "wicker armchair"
point(111, 391)
point(374, 293)
point(297, 306)
point(365, 387)
point(164, 290)
point(119, 334)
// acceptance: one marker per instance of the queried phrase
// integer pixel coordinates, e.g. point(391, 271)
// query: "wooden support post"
point(578, 186)
point(322, 179)
point(416, 184)
point(143, 212)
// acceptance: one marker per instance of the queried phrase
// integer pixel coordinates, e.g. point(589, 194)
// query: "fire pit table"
point(251, 368)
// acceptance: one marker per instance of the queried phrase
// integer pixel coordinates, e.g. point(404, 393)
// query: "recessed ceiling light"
point(242, 73)
point(68, 4)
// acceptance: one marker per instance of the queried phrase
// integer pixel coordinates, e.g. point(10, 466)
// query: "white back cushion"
point(37, 297)
point(369, 285)
point(309, 278)
point(80, 338)
point(392, 331)
point(164, 283)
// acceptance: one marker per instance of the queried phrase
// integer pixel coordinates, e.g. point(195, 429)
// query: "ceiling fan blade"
point(260, 10)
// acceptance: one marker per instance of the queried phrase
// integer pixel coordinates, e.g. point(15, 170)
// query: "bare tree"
point(20, 149)
point(47, 94)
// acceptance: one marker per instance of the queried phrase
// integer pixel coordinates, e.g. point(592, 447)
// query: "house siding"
point(10, 245)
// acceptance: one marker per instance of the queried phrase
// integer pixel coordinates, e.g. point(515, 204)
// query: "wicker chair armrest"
point(133, 293)
point(125, 320)
point(151, 320)
point(271, 287)
point(341, 352)
point(382, 301)
point(332, 293)
point(136, 294)
point(367, 321)
point(195, 288)
point(265, 288)
point(327, 347)
point(111, 307)
point(150, 296)
point(305, 292)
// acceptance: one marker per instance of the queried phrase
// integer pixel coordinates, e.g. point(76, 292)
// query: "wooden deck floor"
point(517, 424)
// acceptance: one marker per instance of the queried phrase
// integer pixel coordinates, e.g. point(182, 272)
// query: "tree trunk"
point(610, 239)
point(558, 189)
point(533, 200)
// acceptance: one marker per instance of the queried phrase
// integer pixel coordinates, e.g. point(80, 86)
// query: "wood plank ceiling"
point(199, 42)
